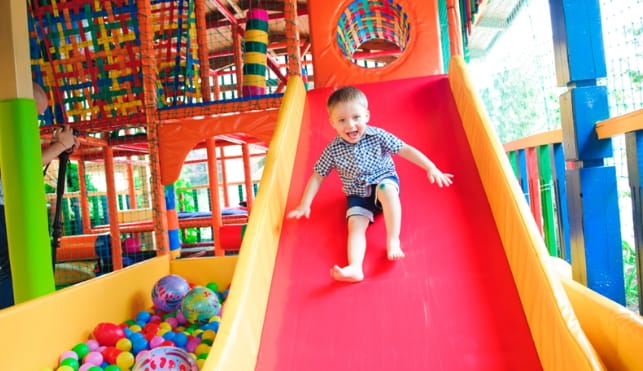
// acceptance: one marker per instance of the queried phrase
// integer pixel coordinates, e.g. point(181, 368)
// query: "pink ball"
point(192, 344)
point(92, 344)
point(68, 354)
point(95, 358)
point(156, 341)
point(172, 322)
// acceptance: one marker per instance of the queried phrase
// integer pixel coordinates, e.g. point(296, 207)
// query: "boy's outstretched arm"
point(312, 187)
point(435, 175)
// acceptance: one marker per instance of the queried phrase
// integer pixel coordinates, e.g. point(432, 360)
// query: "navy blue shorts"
point(369, 206)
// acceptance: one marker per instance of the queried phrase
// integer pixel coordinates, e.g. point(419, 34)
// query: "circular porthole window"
point(373, 33)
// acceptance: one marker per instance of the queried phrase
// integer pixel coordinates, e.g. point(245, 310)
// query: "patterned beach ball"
point(169, 291)
point(200, 304)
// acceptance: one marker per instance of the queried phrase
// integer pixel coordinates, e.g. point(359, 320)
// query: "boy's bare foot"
point(347, 274)
point(394, 251)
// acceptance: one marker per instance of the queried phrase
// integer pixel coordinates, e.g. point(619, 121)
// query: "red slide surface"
point(451, 304)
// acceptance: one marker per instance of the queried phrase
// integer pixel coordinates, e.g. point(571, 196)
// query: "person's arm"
point(312, 187)
point(63, 140)
point(435, 175)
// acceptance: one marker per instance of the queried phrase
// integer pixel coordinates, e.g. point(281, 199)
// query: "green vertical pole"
point(25, 206)
point(514, 163)
point(546, 198)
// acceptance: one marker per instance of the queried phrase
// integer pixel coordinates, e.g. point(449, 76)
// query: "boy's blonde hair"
point(347, 94)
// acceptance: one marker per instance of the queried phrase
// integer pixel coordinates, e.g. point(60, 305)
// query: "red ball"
point(110, 354)
point(108, 334)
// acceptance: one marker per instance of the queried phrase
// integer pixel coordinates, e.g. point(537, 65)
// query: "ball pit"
point(152, 335)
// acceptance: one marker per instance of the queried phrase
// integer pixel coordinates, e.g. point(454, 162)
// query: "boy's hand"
point(440, 178)
point(66, 137)
point(299, 212)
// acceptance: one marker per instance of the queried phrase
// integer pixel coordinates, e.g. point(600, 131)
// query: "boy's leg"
point(388, 196)
point(356, 248)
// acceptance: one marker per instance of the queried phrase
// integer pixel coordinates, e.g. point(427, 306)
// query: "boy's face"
point(349, 119)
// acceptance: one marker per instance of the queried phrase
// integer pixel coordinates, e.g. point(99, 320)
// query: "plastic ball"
point(81, 350)
point(92, 344)
point(168, 292)
point(124, 344)
point(165, 359)
point(94, 358)
point(71, 362)
point(68, 354)
point(199, 305)
point(125, 360)
point(108, 333)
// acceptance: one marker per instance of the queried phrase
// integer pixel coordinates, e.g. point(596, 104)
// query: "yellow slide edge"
point(237, 344)
point(556, 332)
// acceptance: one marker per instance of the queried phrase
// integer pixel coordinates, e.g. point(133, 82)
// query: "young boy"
point(362, 157)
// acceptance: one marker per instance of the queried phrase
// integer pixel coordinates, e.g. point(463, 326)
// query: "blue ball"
point(143, 317)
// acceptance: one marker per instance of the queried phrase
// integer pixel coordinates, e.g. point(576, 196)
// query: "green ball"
point(213, 286)
point(70, 362)
point(81, 349)
point(112, 368)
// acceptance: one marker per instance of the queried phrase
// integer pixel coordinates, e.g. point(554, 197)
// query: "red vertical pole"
point(148, 66)
point(214, 196)
point(238, 60)
point(455, 38)
point(130, 183)
point(112, 207)
point(202, 42)
point(247, 172)
point(84, 203)
point(224, 178)
point(292, 42)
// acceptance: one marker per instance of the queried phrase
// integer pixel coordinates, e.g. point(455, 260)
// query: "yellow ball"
point(200, 363)
point(165, 327)
point(65, 368)
point(208, 335)
point(124, 344)
point(125, 360)
point(202, 348)
point(135, 328)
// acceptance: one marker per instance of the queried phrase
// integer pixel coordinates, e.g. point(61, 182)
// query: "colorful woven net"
point(365, 20)
point(87, 55)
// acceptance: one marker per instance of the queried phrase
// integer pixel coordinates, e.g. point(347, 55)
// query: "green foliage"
point(518, 105)
point(185, 202)
point(629, 268)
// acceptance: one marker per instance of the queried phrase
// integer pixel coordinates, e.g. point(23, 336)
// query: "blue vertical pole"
point(634, 145)
point(596, 251)
point(561, 200)
point(522, 174)
point(172, 221)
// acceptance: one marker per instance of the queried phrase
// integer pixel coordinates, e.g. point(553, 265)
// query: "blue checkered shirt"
point(361, 164)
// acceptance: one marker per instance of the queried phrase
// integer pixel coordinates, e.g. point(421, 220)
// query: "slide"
point(450, 304)
point(474, 291)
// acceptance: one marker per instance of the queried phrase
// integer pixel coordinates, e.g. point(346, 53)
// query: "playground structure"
point(175, 123)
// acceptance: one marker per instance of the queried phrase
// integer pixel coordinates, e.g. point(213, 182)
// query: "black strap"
point(57, 227)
